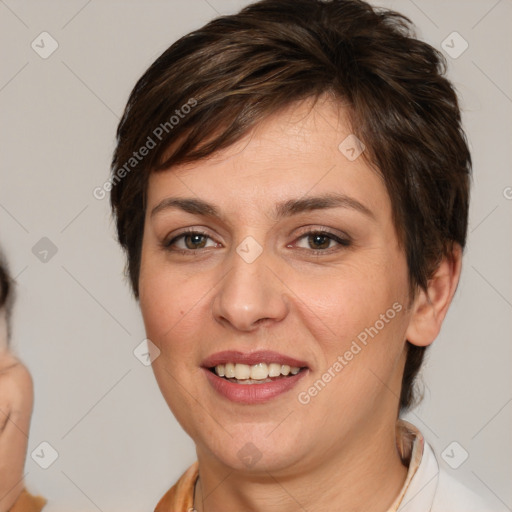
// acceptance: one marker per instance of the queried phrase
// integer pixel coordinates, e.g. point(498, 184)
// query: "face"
point(276, 255)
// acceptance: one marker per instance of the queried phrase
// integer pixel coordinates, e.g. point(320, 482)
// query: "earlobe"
point(430, 306)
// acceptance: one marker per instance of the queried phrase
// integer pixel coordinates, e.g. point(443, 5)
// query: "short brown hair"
point(239, 69)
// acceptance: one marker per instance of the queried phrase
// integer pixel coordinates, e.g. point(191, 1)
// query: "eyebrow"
point(281, 210)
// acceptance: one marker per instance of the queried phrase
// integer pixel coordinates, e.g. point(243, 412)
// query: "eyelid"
point(306, 230)
point(186, 231)
point(341, 238)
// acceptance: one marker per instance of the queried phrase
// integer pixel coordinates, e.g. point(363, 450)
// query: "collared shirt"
point(427, 488)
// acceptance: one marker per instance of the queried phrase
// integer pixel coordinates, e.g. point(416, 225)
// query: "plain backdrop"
point(76, 324)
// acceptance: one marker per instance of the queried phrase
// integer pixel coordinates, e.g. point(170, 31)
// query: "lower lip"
point(252, 393)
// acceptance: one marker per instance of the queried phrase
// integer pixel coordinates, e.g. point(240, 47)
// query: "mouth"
point(252, 378)
point(259, 373)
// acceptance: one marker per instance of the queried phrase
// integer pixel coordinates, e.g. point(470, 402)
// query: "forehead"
point(304, 150)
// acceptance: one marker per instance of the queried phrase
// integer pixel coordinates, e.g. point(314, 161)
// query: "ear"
point(430, 307)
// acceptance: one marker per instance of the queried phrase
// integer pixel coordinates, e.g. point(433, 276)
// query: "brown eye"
point(195, 241)
point(188, 241)
point(318, 241)
point(322, 242)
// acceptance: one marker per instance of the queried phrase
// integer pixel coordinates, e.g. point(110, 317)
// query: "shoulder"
point(451, 495)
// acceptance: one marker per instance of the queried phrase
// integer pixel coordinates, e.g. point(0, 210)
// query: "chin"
point(255, 453)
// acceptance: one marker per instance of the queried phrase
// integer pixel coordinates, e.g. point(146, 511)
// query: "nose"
point(250, 294)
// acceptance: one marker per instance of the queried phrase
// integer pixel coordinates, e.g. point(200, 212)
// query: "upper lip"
point(250, 358)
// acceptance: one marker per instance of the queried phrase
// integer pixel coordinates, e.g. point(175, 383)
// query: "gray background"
point(76, 324)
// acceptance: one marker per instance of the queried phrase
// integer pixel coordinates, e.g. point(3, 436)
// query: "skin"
point(16, 403)
point(340, 447)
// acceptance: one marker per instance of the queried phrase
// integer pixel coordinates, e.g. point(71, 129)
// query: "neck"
point(368, 475)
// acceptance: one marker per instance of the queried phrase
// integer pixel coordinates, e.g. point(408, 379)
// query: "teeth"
point(229, 370)
point(259, 371)
point(242, 371)
point(256, 372)
point(274, 370)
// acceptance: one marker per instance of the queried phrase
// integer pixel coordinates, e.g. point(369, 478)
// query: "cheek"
point(159, 303)
point(168, 303)
point(348, 299)
point(173, 306)
point(358, 315)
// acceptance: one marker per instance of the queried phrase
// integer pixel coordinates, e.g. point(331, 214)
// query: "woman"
point(291, 187)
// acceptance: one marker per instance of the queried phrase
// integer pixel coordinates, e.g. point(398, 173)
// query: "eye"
point(188, 241)
point(322, 241)
point(318, 241)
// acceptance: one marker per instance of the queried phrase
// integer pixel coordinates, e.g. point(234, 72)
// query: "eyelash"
point(343, 242)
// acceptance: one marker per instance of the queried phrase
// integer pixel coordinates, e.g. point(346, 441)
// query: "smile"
point(254, 374)
point(252, 377)
point(249, 391)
